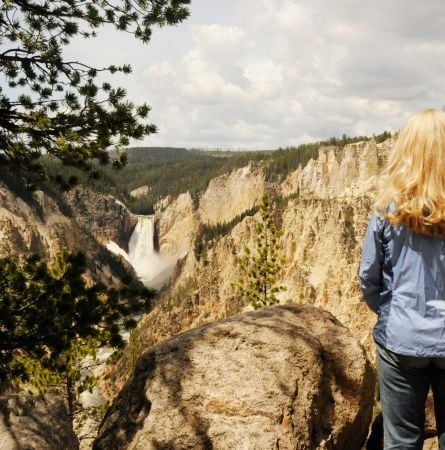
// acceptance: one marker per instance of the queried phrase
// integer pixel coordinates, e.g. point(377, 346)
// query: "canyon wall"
point(324, 220)
point(178, 219)
point(44, 222)
point(231, 194)
point(176, 224)
point(105, 217)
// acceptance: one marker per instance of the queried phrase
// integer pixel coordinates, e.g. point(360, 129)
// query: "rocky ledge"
point(286, 377)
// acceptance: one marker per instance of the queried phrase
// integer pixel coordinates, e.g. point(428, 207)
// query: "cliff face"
point(45, 222)
point(35, 223)
point(176, 224)
point(324, 220)
point(231, 194)
point(322, 246)
point(340, 172)
point(106, 218)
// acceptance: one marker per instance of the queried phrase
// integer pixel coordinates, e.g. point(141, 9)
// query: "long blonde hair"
point(412, 191)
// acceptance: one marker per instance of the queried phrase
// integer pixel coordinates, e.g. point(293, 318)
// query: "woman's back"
point(411, 299)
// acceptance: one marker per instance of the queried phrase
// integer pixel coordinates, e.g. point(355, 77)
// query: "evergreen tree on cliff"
point(54, 105)
point(260, 266)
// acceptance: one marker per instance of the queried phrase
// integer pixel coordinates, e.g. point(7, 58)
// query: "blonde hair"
point(412, 192)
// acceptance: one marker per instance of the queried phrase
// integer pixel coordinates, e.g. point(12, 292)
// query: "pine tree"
point(51, 319)
point(54, 105)
point(260, 266)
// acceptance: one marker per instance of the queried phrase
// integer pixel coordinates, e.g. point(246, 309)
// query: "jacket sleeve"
point(372, 263)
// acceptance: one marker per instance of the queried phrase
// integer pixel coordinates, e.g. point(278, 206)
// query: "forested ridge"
point(171, 171)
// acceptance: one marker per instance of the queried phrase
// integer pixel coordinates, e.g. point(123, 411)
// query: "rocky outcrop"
point(231, 194)
point(34, 223)
point(176, 224)
point(43, 222)
point(350, 171)
point(105, 217)
point(140, 191)
point(322, 243)
point(35, 422)
point(286, 377)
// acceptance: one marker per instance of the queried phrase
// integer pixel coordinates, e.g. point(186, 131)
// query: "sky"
point(260, 74)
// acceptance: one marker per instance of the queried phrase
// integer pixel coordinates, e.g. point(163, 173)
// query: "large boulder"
point(286, 377)
point(30, 422)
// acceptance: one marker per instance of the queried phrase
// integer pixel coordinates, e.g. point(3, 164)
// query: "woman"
point(402, 274)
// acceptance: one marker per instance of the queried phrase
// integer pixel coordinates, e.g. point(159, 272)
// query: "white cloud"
point(161, 69)
point(265, 73)
point(212, 38)
point(265, 78)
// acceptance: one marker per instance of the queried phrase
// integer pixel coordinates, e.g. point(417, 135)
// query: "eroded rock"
point(104, 216)
point(35, 422)
point(286, 377)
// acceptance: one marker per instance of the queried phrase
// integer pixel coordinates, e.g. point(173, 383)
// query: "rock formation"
point(176, 225)
point(44, 222)
point(106, 218)
point(231, 194)
point(286, 377)
point(140, 191)
point(35, 423)
point(340, 172)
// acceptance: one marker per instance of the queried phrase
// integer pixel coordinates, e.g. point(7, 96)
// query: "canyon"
point(323, 212)
point(323, 209)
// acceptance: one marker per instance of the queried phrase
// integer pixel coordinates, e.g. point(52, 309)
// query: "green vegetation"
point(208, 235)
point(57, 106)
point(51, 319)
point(259, 267)
point(171, 171)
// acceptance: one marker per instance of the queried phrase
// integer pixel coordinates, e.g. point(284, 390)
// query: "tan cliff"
point(176, 223)
point(107, 218)
point(177, 220)
point(231, 194)
point(44, 222)
point(349, 171)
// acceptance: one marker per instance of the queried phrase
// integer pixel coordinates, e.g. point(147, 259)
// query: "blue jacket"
point(403, 280)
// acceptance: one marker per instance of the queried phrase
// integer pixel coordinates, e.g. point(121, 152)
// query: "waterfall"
point(141, 241)
point(153, 269)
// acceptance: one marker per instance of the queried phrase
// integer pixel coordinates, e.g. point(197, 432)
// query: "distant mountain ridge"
point(174, 170)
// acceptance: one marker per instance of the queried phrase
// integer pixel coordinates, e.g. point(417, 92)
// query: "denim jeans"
point(404, 384)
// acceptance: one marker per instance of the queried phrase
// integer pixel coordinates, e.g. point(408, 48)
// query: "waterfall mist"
point(153, 269)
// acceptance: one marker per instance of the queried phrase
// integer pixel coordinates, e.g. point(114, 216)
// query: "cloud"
point(269, 73)
point(217, 39)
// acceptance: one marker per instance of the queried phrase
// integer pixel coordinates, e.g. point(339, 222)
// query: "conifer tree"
point(51, 318)
point(63, 107)
point(259, 267)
